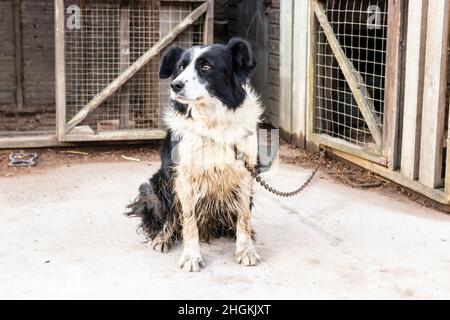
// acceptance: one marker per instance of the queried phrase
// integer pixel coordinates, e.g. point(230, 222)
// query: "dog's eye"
point(181, 67)
point(205, 67)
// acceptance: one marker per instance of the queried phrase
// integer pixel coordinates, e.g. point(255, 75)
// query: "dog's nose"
point(177, 86)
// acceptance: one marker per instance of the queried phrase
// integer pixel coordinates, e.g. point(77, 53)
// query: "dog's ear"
point(242, 55)
point(169, 61)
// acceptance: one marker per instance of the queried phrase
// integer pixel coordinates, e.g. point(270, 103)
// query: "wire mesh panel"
point(361, 29)
point(111, 36)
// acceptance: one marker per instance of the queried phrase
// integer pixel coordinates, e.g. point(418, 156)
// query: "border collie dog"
point(203, 188)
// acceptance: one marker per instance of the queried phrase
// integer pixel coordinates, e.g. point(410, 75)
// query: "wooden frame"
point(208, 29)
point(374, 152)
point(414, 158)
point(124, 43)
point(354, 79)
point(52, 140)
point(437, 195)
point(132, 69)
point(62, 135)
point(393, 80)
point(60, 71)
point(64, 129)
point(311, 144)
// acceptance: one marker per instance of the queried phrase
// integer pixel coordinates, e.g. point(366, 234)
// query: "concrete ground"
point(63, 235)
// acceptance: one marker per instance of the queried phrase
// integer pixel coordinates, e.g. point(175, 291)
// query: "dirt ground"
point(337, 169)
point(56, 157)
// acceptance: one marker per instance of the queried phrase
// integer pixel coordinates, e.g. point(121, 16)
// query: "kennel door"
point(355, 90)
point(107, 57)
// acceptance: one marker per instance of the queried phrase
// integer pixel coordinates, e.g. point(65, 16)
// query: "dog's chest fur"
point(206, 166)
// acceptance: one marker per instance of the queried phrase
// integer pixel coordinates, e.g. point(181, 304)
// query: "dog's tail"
point(147, 206)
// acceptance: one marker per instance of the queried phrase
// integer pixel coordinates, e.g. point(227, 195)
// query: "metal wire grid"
point(92, 56)
point(361, 29)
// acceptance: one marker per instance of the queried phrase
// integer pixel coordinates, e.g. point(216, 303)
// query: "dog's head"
point(205, 73)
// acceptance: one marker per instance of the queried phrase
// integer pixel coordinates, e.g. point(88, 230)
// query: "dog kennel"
point(84, 70)
point(372, 87)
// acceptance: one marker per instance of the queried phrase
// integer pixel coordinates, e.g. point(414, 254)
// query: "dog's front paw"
point(161, 244)
point(247, 257)
point(191, 263)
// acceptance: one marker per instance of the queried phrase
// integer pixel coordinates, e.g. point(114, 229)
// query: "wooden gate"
point(355, 57)
point(107, 85)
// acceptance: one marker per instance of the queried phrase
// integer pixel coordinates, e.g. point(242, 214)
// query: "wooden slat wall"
point(273, 107)
point(286, 40)
point(434, 96)
point(38, 53)
point(7, 55)
point(259, 22)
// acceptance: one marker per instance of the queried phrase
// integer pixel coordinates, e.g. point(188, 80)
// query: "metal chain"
point(266, 186)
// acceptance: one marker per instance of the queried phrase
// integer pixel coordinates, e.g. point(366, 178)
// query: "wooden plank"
point(37, 141)
point(311, 144)
point(394, 176)
point(135, 67)
point(60, 80)
point(208, 28)
point(285, 95)
point(352, 76)
point(18, 52)
point(152, 96)
point(51, 140)
point(370, 154)
point(300, 72)
point(434, 95)
point(124, 44)
point(134, 134)
point(393, 76)
point(413, 95)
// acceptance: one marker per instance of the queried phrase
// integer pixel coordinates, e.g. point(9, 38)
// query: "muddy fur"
point(203, 188)
point(160, 210)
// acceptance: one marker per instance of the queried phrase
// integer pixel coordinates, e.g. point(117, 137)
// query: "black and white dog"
point(203, 188)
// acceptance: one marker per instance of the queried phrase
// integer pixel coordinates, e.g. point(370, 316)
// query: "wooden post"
point(208, 29)
point(392, 82)
point(413, 95)
point(434, 95)
point(18, 52)
point(286, 46)
point(60, 72)
point(300, 71)
point(124, 43)
point(113, 86)
point(153, 105)
point(311, 144)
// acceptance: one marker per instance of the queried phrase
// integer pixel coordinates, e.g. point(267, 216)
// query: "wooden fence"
point(370, 84)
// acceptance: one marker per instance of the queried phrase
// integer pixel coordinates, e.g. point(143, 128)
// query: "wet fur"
point(218, 188)
point(206, 191)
